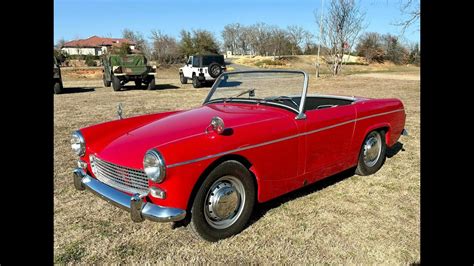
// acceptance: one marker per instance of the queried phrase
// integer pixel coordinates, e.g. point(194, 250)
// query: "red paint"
point(279, 167)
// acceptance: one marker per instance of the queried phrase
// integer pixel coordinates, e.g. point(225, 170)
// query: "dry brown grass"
point(346, 219)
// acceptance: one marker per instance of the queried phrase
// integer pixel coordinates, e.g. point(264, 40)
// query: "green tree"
point(205, 42)
point(394, 50)
point(186, 44)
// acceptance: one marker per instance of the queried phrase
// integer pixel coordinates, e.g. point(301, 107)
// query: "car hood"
point(129, 146)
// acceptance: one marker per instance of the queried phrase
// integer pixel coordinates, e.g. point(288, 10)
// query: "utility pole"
point(320, 34)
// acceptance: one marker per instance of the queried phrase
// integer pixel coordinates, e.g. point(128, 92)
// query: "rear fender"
point(386, 126)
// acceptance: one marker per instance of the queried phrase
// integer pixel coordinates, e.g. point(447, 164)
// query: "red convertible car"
point(258, 135)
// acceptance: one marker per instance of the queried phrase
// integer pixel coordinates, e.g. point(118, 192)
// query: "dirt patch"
point(351, 219)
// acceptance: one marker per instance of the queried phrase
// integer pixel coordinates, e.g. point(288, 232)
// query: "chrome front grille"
point(120, 177)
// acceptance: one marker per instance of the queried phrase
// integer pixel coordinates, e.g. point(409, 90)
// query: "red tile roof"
point(96, 41)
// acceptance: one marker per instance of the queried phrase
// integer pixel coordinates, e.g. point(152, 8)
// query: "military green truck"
point(120, 69)
point(58, 81)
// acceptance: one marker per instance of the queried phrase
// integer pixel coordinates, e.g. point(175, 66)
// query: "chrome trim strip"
point(278, 140)
point(117, 198)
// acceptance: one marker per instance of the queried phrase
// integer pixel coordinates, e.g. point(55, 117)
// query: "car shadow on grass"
point(77, 90)
point(395, 149)
point(157, 87)
point(262, 208)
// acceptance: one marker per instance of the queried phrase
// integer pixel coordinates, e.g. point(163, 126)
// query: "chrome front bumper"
point(138, 209)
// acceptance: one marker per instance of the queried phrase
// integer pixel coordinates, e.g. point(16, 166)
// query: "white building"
point(93, 45)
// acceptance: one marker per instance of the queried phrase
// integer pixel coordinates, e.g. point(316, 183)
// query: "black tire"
point(151, 85)
point(138, 83)
point(214, 70)
point(200, 224)
point(58, 87)
point(107, 83)
point(196, 82)
point(183, 79)
point(116, 83)
point(365, 166)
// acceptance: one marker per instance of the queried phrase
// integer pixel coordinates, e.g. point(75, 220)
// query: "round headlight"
point(154, 166)
point(78, 144)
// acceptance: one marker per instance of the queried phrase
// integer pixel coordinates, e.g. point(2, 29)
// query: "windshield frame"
point(300, 115)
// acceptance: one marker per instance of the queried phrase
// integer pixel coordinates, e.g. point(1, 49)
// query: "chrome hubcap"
point(224, 202)
point(372, 149)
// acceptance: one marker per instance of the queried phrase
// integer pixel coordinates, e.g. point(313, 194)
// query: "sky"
point(78, 19)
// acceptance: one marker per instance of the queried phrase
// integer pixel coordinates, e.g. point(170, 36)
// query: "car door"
point(187, 71)
point(328, 135)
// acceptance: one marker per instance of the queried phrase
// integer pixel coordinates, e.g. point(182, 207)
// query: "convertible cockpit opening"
point(322, 102)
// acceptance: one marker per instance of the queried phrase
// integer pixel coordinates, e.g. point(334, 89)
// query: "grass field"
point(343, 219)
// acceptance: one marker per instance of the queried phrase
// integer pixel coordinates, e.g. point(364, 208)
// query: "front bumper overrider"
point(138, 209)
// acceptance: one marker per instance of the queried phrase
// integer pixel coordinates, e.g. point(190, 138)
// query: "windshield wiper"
point(282, 97)
point(251, 93)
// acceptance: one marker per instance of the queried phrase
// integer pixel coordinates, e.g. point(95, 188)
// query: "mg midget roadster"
point(258, 135)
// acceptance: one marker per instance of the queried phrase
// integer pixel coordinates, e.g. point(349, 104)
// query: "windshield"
point(275, 87)
point(207, 60)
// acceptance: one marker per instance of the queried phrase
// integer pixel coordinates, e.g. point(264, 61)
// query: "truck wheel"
point(183, 79)
point(151, 84)
point(116, 83)
point(106, 82)
point(224, 202)
point(214, 70)
point(138, 83)
point(196, 82)
point(58, 87)
point(372, 153)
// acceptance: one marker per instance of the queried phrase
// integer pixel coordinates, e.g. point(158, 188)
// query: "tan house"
point(94, 45)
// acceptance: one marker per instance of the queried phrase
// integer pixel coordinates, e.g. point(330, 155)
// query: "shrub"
point(90, 60)
point(269, 62)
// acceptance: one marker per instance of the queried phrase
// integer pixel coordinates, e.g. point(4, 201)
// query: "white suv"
point(202, 68)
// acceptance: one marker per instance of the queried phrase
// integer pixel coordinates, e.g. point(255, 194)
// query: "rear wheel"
point(58, 87)
point(183, 79)
point(196, 82)
point(224, 202)
point(138, 83)
point(151, 84)
point(372, 153)
point(116, 83)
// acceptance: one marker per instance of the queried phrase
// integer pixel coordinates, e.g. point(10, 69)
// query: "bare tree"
point(230, 35)
point(278, 43)
point(411, 11)
point(296, 36)
point(165, 48)
point(60, 43)
point(370, 46)
point(138, 39)
point(341, 27)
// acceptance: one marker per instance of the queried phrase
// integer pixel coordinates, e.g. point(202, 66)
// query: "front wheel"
point(183, 79)
point(224, 202)
point(372, 153)
point(151, 84)
point(106, 82)
point(196, 82)
point(116, 83)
